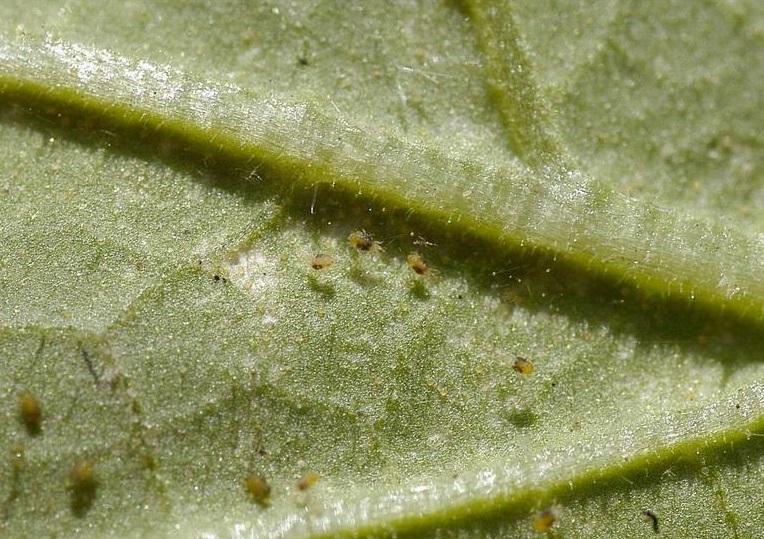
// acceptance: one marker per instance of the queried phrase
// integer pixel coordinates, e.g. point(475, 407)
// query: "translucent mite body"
point(363, 241)
point(258, 488)
point(30, 412)
point(321, 262)
point(544, 520)
point(308, 480)
point(82, 486)
point(417, 264)
point(82, 475)
point(523, 366)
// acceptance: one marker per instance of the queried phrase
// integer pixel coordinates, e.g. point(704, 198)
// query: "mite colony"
point(82, 482)
point(364, 242)
point(260, 490)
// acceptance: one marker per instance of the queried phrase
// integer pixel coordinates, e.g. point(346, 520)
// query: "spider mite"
point(417, 264)
point(321, 261)
point(258, 488)
point(82, 486)
point(82, 475)
point(544, 520)
point(363, 241)
point(308, 480)
point(30, 412)
point(523, 366)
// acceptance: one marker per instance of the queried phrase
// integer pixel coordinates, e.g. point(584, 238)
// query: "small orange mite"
point(257, 487)
point(363, 241)
point(544, 520)
point(523, 366)
point(30, 411)
point(417, 264)
point(321, 261)
point(82, 476)
point(308, 480)
point(82, 485)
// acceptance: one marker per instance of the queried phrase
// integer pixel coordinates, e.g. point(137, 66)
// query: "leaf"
point(586, 202)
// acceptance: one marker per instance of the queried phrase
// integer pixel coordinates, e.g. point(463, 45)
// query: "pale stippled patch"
point(253, 270)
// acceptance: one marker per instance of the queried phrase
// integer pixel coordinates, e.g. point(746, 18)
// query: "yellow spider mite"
point(363, 241)
point(82, 475)
point(257, 487)
point(308, 480)
point(544, 520)
point(30, 412)
point(523, 366)
point(82, 486)
point(321, 261)
point(417, 264)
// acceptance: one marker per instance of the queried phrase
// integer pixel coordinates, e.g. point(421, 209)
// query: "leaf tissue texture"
point(191, 347)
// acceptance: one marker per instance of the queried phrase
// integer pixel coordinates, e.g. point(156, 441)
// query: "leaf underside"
point(582, 179)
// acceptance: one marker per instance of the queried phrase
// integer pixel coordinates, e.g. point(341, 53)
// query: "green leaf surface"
point(583, 180)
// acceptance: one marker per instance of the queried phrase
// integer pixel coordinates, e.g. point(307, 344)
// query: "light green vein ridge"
point(508, 74)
